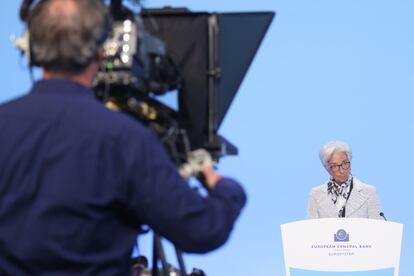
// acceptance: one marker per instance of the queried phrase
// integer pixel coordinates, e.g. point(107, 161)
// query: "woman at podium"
point(343, 195)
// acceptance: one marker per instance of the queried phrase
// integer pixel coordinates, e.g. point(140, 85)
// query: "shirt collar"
point(61, 86)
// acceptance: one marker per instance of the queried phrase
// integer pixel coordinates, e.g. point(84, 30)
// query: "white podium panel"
point(343, 247)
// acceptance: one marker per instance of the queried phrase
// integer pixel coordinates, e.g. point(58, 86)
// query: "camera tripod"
point(158, 256)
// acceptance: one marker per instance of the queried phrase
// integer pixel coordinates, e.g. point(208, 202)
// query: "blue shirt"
point(77, 180)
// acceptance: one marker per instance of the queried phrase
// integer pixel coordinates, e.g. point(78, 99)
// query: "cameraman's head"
point(66, 35)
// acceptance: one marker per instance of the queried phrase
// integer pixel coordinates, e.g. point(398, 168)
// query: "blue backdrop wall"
point(326, 70)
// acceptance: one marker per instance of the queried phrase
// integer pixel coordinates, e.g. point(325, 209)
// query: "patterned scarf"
point(340, 194)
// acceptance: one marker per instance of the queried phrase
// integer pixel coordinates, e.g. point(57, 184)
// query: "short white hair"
point(332, 147)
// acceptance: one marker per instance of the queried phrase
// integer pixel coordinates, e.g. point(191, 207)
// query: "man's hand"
point(211, 176)
point(200, 162)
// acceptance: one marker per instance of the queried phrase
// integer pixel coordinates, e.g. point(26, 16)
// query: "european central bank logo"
point(341, 236)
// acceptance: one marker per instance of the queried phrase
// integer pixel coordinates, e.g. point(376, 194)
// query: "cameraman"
point(78, 180)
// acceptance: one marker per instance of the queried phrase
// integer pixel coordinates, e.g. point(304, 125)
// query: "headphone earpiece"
point(23, 43)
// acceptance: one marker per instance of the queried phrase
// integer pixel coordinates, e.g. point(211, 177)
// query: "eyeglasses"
point(345, 166)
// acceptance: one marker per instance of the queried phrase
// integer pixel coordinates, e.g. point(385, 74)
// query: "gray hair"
point(332, 147)
point(64, 34)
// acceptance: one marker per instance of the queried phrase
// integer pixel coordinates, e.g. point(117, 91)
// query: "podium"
point(342, 247)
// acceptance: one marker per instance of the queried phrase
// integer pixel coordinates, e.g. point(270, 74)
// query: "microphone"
point(382, 215)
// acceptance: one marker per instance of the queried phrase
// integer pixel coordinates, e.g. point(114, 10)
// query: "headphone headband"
point(25, 9)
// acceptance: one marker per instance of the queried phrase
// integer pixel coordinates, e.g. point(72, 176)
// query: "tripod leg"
point(154, 257)
point(180, 259)
point(159, 253)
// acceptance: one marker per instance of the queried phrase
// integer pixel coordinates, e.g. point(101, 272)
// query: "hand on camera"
point(200, 164)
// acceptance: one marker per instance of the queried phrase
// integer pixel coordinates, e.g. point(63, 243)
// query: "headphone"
point(24, 43)
point(25, 9)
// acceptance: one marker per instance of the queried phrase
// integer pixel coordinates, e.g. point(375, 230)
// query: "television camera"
point(200, 56)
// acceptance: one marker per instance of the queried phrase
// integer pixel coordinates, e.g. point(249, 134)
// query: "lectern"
point(342, 247)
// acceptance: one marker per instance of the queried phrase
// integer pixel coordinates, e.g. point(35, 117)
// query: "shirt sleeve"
point(374, 205)
point(160, 198)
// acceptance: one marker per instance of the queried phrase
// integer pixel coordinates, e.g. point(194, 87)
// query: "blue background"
point(326, 70)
